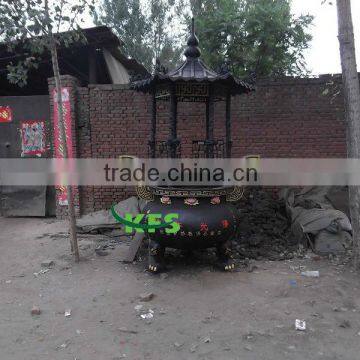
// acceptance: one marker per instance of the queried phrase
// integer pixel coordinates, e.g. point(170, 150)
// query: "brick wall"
point(284, 118)
point(291, 118)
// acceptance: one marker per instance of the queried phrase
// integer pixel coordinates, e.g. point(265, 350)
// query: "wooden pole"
point(71, 206)
point(55, 64)
point(352, 109)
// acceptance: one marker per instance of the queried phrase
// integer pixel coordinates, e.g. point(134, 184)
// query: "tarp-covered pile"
point(315, 217)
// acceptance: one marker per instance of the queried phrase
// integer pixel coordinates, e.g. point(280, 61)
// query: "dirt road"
point(198, 312)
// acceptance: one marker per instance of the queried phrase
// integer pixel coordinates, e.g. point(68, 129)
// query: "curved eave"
point(235, 85)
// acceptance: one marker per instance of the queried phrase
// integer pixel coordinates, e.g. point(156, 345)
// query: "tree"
point(126, 18)
point(352, 109)
point(146, 28)
point(33, 24)
point(165, 43)
point(260, 36)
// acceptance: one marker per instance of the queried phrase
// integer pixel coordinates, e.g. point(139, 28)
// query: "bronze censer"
point(207, 217)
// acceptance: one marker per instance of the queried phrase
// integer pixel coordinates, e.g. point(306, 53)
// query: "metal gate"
point(24, 132)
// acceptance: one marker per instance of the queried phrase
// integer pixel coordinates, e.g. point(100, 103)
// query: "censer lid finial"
point(192, 51)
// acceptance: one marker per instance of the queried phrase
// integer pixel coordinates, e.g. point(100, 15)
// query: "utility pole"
point(70, 195)
point(351, 91)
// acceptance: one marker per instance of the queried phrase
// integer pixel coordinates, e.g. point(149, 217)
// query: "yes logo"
point(148, 223)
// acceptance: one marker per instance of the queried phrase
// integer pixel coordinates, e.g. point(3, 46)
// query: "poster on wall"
point(61, 194)
point(33, 138)
point(5, 114)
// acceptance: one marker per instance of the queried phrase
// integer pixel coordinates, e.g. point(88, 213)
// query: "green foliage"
point(146, 28)
point(30, 25)
point(127, 19)
point(260, 36)
point(18, 73)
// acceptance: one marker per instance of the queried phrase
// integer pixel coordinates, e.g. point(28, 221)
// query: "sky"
point(323, 56)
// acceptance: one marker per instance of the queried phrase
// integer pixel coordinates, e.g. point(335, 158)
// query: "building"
point(98, 60)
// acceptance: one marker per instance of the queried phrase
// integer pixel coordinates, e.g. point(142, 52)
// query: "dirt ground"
point(198, 312)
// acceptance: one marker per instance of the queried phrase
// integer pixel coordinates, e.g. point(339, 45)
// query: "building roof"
point(95, 36)
point(73, 60)
point(193, 69)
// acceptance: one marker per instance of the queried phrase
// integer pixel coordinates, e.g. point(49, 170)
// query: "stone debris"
point(300, 325)
point(148, 315)
point(146, 297)
point(178, 345)
point(48, 264)
point(127, 331)
point(209, 318)
point(340, 309)
point(41, 272)
point(35, 310)
point(138, 307)
point(63, 345)
point(345, 324)
point(21, 275)
point(310, 273)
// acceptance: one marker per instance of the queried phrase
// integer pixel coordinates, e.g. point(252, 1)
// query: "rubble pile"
point(264, 229)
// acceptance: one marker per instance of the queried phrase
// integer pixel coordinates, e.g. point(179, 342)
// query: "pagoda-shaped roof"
point(193, 70)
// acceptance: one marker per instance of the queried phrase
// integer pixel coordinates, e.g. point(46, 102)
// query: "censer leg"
point(156, 257)
point(224, 254)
